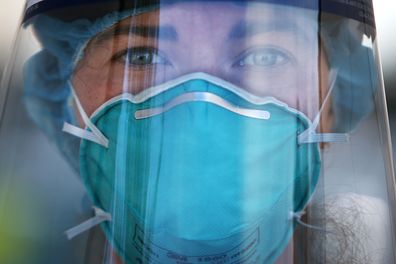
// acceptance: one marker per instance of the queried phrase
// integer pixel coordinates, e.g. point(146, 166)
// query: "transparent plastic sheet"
point(247, 133)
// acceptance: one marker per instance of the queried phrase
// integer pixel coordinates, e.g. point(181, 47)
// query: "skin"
point(290, 51)
point(284, 61)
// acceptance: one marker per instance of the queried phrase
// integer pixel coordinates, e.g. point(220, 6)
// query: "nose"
point(203, 59)
point(202, 44)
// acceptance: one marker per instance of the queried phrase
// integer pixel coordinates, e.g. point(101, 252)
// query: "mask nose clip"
point(202, 97)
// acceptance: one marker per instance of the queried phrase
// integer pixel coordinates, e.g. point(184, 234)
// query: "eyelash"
point(246, 59)
point(140, 51)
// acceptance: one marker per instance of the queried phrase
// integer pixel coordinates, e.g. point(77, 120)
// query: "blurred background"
point(10, 14)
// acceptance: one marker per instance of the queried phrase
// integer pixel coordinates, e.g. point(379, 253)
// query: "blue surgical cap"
point(47, 74)
point(47, 91)
point(357, 79)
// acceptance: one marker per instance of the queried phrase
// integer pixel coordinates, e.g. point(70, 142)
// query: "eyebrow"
point(244, 29)
point(155, 32)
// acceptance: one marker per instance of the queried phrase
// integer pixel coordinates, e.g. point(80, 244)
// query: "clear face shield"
point(196, 132)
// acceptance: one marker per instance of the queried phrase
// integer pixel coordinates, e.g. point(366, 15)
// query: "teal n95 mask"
point(200, 170)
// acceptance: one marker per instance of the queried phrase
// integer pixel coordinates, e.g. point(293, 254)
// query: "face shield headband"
point(177, 127)
point(362, 12)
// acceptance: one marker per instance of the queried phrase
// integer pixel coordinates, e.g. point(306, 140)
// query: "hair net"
point(357, 78)
point(47, 74)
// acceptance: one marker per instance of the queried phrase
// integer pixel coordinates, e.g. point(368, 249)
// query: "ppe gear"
point(352, 82)
point(48, 72)
point(200, 132)
point(184, 121)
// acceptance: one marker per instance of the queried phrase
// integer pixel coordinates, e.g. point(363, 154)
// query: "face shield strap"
point(94, 135)
point(100, 217)
point(310, 135)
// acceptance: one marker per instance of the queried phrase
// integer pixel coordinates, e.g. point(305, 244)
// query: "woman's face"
point(265, 49)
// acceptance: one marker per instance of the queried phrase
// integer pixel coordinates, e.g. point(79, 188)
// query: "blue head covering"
point(357, 79)
point(47, 92)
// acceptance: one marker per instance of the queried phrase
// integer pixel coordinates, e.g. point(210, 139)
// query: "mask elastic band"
point(100, 217)
point(310, 135)
point(81, 133)
point(296, 216)
point(94, 135)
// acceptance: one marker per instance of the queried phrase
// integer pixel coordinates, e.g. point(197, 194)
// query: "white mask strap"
point(94, 135)
point(310, 135)
point(100, 217)
point(296, 216)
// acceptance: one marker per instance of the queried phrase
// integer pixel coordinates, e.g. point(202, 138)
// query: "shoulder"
point(360, 225)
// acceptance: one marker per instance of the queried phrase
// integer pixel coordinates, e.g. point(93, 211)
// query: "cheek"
point(93, 87)
point(97, 56)
point(97, 77)
point(308, 95)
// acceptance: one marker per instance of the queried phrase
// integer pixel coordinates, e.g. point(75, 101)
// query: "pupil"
point(142, 59)
point(266, 59)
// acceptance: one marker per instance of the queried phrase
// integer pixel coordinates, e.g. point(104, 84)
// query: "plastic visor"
point(241, 132)
point(358, 10)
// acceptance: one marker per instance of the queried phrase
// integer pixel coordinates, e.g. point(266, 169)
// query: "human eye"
point(263, 57)
point(141, 57)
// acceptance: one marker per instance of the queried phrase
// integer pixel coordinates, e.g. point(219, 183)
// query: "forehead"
point(257, 46)
point(207, 17)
